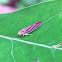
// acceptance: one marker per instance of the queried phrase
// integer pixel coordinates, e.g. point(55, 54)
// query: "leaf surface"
point(37, 46)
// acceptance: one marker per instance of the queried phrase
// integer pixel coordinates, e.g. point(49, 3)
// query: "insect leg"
point(27, 34)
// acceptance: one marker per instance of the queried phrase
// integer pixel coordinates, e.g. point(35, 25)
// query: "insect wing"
point(33, 27)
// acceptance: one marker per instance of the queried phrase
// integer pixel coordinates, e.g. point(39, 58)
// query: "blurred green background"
point(20, 3)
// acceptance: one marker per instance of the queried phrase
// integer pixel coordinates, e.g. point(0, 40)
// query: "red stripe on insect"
point(39, 22)
point(29, 28)
point(33, 27)
point(38, 25)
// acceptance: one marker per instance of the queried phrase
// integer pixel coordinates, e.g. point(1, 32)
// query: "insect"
point(54, 46)
point(29, 29)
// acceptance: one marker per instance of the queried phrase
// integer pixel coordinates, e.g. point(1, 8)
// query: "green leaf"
point(38, 45)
